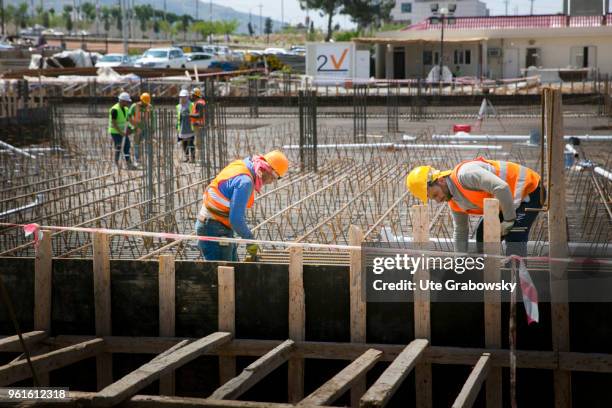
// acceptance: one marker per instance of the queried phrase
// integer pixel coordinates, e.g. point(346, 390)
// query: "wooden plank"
point(12, 343)
point(387, 384)
point(422, 306)
point(297, 322)
point(20, 370)
point(153, 401)
point(257, 370)
point(102, 304)
point(167, 313)
point(557, 236)
point(358, 307)
point(492, 299)
point(333, 389)
point(226, 317)
point(42, 290)
point(146, 374)
point(172, 349)
point(472, 386)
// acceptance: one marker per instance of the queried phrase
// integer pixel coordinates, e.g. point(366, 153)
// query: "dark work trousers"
point(188, 148)
point(216, 251)
point(117, 140)
point(516, 241)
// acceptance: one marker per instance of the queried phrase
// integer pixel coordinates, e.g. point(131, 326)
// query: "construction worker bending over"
point(140, 117)
point(466, 186)
point(184, 126)
point(228, 196)
point(119, 129)
point(197, 116)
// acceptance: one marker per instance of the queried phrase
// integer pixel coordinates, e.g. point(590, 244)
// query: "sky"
point(293, 14)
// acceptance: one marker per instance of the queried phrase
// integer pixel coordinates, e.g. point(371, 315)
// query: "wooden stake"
point(492, 299)
point(422, 306)
point(226, 318)
point(102, 303)
point(167, 313)
point(42, 290)
point(358, 308)
point(297, 322)
point(557, 236)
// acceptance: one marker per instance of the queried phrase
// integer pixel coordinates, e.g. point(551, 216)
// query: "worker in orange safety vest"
point(226, 199)
point(465, 187)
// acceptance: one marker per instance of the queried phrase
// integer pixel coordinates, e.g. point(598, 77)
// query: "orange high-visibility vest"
point(216, 203)
point(521, 180)
point(194, 111)
point(139, 113)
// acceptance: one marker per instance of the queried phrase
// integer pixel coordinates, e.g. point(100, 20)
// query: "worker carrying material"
point(119, 130)
point(228, 196)
point(184, 126)
point(466, 186)
point(140, 116)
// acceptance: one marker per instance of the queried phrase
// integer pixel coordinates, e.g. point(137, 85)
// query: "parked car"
point(52, 32)
point(199, 59)
point(274, 51)
point(114, 60)
point(162, 58)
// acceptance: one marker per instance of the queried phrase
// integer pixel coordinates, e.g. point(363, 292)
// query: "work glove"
point(252, 250)
point(506, 226)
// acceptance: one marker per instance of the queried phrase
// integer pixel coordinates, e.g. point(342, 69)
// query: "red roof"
point(516, 22)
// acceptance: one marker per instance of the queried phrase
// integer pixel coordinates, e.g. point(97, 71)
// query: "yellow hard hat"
point(196, 91)
point(278, 161)
point(145, 98)
point(419, 177)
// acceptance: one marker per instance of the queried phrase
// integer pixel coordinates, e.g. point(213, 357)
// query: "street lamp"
point(442, 15)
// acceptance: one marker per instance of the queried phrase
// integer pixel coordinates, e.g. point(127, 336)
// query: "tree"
point(68, 18)
point(144, 14)
point(268, 28)
point(250, 28)
point(203, 28)
point(106, 18)
point(365, 12)
point(116, 13)
point(326, 8)
point(228, 27)
point(185, 19)
point(21, 16)
point(89, 10)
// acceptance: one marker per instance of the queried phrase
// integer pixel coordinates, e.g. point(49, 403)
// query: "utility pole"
point(260, 19)
point(165, 19)
point(210, 6)
point(531, 8)
point(124, 27)
point(282, 14)
point(197, 9)
point(506, 3)
point(2, 14)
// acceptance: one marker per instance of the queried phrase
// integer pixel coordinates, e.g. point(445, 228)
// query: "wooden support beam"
point(154, 369)
point(472, 386)
point(492, 298)
point(333, 389)
point(557, 236)
point(167, 313)
point(12, 344)
point(379, 394)
point(358, 308)
point(20, 370)
point(297, 323)
point(102, 304)
point(256, 371)
point(42, 290)
point(422, 306)
point(226, 317)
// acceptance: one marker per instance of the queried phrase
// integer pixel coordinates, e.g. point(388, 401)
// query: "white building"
point(415, 11)
point(495, 47)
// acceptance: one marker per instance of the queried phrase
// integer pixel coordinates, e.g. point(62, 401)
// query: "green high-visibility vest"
point(121, 119)
point(178, 116)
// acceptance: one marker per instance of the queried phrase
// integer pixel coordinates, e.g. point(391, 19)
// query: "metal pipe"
point(397, 146)
point(17, 150)
point(513, 138)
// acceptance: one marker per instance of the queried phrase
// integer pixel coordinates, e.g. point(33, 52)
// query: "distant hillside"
point(174, 6)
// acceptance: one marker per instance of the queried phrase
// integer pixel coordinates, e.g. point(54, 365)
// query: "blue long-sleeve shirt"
point(238, 189)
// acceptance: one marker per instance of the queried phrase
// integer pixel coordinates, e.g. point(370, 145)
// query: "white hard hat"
point(184, 92)
point(124, 96)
